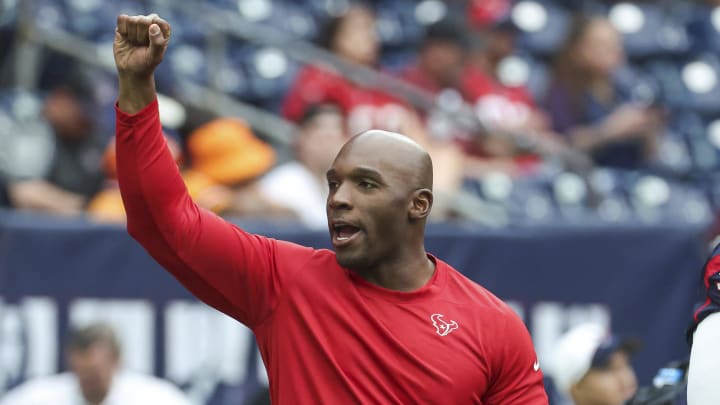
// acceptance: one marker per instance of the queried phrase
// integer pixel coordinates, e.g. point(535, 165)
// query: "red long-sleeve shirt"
point(325, 334)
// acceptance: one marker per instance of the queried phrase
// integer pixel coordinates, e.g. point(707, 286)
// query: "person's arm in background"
point(40, 195)
point(236, 272)
point(625, 121)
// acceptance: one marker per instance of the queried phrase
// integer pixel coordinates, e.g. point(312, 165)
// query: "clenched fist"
point(139, 46)
point(140, 43)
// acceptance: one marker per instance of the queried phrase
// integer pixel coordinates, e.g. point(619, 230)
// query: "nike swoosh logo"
point(536, 365)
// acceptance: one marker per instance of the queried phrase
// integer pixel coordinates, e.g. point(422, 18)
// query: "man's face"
point(613, 384)
point(94, 368)
point(501, 43)
point(367, 206)
point(444, 62)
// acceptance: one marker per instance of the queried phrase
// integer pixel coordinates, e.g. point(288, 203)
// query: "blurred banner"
point(643, 280)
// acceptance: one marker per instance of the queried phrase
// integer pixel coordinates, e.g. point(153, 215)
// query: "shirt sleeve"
point(240, 274)
point(517, 378)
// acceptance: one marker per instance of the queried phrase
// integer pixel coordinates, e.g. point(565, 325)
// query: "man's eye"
point(332, 184)
point(366, 185)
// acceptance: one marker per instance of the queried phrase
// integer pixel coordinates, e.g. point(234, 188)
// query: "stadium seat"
point(703, 138)
point(50, 14)
point(689, 84)
point(295, 20)
point(523, 69)
point(8, 14)
point(704, 29)
point(651, 29)
point(544, 26)
point(90, 18)
point(269, 73)
point(397, 24)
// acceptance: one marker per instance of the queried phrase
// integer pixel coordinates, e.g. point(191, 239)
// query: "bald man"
point(377, 321)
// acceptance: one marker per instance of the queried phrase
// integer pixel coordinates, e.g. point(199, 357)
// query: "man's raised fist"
point(140, 44)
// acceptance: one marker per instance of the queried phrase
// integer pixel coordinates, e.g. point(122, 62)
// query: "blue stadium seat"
point(185, 62)
point(393, 60)
point(703, 31)
point(690, 84)
point(225, 4)
point(295, 20)
point(523, 70)
point(651, 29)
point(90, 18)
point(8, 14)
point(543, 26)
point(703, 138)
point(50, 14)
point(397, 25)
point(269, 73)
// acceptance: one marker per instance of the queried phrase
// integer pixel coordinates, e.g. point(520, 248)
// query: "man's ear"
point(420, 204)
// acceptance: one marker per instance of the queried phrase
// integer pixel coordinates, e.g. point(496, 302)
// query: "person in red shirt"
point(377, 321)
point(353, 37)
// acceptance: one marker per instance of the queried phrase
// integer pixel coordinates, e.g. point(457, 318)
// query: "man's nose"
point(340, 197)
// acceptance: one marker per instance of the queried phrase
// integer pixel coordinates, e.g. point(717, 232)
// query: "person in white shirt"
point(590, 366)
point(321, 134)
point(93, 356)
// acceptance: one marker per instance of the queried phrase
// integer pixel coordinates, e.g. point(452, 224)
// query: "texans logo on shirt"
point(441, 327)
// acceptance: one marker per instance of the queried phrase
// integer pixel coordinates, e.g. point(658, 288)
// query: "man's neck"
point(404, 273)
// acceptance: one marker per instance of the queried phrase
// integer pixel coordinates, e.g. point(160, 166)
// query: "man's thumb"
point(157, 41)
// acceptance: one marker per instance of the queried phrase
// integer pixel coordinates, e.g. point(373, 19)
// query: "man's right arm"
point(229, 269)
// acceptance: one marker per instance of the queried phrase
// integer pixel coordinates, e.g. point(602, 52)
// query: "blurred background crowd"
point(547, 112)
point(534, 111)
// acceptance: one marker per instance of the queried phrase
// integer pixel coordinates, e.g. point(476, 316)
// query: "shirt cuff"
point(148, 112)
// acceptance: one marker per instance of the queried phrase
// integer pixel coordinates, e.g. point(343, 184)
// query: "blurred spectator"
point(95, 377)
point(443, 68)
point(482, 13)
point(499, 106)
point(71, 172)
point(592, 366)
point(225, 152)
point(106, 205)
point(321, 134)
point(440, 58)
point(226, 159)
point(353, 37)
point(590, 108)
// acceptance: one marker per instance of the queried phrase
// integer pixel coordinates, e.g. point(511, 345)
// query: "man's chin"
point(350, 262)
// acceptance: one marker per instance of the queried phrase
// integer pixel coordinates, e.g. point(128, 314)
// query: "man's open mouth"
point(343, 234)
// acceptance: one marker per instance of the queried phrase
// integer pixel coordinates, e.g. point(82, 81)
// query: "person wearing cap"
point(226, 152)
point(106, 206)
point(591, 366)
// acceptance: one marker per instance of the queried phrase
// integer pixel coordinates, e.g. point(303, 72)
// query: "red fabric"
point(326, 335)
point(476, 85)
point(413, 74)
point(365, 108)
point(484, 13)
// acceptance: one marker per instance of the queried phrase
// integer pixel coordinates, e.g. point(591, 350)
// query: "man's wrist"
point(135, 92)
